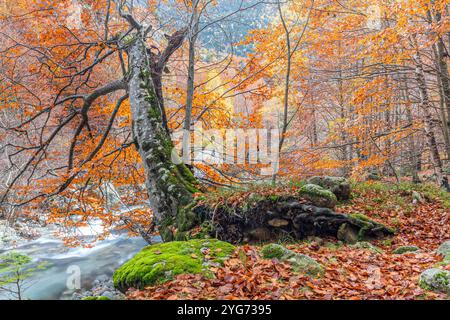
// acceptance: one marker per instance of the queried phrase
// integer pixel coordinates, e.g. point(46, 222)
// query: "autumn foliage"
point(364, 85)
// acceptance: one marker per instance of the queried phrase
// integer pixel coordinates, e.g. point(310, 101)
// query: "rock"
point(260, 234)
point(338, 185)
point(275, 251)
point(318, 196)
point(305, 264)
point(278, 223)
point(317, 240)
point(103, 278)
point(162, 262)
point(417, 197)
point(444, 249)
point(300, 263)
point(369, 229)
point(373, 177)
point(108, 294)
point(368, 246)
point(23, 230)
point(103, 289)
point(347, 234)
point(305, 220)
point(435, 280)
point(406, 249)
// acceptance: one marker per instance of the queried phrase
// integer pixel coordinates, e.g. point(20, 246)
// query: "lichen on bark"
point(170, 186)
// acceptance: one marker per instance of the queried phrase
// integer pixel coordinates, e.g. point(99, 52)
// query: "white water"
point(102, 259)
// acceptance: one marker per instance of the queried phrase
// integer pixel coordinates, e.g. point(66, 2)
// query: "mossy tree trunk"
point(170, 186)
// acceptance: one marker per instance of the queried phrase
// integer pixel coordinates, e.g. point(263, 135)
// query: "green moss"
point(367, 246)
point(299, 262)
point(175, 181)
point(186, 218)
point(391, 192)
point(340, 186)
point(366, 224)
point(318, 195)
point(162, 262)
point(99, 298)
point(206, 229)
point(274, 251)
point(435, 280)
point(273, 198)
point(405, 249)
point(333, 245)
point(444, 249)
point(315, 190)
point(360, 216)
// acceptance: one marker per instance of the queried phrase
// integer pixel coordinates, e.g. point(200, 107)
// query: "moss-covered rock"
point(444, 249)
point(368, 227)
point(162, 262)
point(405, 249)
point(373, 177)
point(100, 298)
point(275, 251)
point(435, 280)
point(367, 246)
point(304, 264)
point(340, 186)
point(299, 262)
point(318, 196)
point(347, 234)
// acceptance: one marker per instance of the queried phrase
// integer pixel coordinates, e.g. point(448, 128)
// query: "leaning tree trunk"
point(170, 186)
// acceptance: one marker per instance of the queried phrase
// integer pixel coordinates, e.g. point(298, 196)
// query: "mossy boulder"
point(367, 229)
point(373, 177)
point(340, 186)
point(275, 251)
point(347, 234)
point(406, 249)
point(299, 262)
point(367, 246)
point(435, 280)
point(162, 262)
point(318, 196)
point(444, 249)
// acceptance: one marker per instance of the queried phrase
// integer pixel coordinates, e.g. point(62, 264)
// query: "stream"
point(99, 261)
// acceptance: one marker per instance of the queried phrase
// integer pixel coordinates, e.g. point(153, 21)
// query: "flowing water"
point(100, 260)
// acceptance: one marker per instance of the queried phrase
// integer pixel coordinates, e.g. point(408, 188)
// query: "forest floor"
point(350, 272)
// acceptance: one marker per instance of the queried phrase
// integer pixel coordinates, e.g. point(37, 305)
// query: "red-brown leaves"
point(350, 273)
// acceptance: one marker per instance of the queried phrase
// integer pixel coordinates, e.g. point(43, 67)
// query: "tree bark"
point(426, 107)
point(413, 153)
point(444, 92)
point(170, 185)
point(192, 39)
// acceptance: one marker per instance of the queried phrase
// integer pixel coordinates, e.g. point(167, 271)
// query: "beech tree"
point(76, 92)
